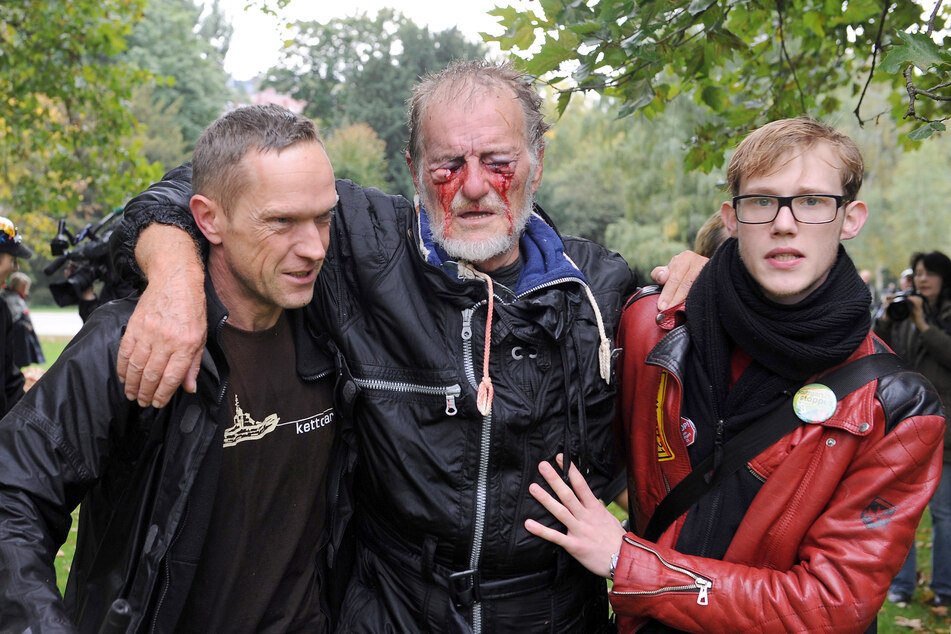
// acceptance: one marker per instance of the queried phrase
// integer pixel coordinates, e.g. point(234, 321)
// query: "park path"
point(56, 323)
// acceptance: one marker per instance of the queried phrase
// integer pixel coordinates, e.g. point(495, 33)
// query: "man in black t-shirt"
point(206, 515)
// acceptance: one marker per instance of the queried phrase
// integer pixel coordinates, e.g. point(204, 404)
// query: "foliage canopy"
point(744, 62)
point(65, 101)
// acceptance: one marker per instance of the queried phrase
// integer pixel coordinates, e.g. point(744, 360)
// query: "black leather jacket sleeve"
point(165, 202)
point(53, 446)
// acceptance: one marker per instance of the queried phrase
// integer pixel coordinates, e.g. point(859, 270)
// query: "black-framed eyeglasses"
point(810, 209)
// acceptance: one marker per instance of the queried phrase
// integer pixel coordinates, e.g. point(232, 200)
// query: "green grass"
point(917, 615)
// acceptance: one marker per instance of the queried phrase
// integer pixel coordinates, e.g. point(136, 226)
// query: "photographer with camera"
point(86, 257)
point(917, 325)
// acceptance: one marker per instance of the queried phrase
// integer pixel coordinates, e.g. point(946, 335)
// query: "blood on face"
point(449, 180)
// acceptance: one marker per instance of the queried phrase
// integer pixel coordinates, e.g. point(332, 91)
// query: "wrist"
point(614, 559)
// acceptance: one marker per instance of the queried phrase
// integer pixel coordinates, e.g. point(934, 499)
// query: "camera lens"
point(899, 309)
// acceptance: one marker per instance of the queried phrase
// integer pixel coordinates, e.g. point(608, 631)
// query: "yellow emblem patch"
point(664, 452)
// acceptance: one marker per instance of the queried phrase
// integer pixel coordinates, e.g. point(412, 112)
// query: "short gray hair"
point(216, 164)
point(476, 75)
point(18, 280)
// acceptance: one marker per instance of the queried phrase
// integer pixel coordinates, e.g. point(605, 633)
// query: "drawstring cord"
point(604, 348)
point(486, 392)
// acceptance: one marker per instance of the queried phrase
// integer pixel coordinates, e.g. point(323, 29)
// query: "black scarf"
point(788, 343)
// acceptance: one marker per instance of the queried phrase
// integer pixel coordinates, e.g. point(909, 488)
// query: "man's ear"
point(208, 216)
point(856, 213)
point(412, 170)
point(537, 176)
point(728, 216)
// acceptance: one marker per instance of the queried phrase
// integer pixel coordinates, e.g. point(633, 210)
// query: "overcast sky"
point(258, 38)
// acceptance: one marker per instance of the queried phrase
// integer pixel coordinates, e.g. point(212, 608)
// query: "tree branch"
point(871, 71)
point(934, 14)
point(785, 53)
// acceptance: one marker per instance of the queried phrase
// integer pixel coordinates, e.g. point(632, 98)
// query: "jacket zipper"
point(475, 555)
point(560, 280)
point(165, 568)
point(700, 583)
point(451, 392)
point(478, 533)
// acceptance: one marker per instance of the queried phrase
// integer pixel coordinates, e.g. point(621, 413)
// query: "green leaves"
point(925, 131)
point(917, 49)
point(745, 63)
point(65, 105)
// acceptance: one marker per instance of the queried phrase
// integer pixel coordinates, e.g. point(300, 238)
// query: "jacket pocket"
point(403, 388)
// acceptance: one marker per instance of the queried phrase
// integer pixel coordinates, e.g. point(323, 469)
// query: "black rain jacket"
point(74, 438)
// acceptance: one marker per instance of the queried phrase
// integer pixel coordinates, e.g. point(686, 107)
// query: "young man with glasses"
point(770, 490)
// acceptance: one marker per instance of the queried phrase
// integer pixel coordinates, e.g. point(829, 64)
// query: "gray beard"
point(483, 250)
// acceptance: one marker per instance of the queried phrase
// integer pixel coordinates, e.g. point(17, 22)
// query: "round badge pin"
point(814, 403)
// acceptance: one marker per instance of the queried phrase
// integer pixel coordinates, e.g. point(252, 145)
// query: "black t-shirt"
point(257, 571)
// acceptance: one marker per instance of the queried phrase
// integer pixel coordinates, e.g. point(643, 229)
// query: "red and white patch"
point(688, 430)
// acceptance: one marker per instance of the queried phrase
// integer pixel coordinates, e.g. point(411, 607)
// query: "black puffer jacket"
point(440, 493)
point(76, 438)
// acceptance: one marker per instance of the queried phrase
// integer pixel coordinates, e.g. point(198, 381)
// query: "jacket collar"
point(542, 251)
point(313, 349)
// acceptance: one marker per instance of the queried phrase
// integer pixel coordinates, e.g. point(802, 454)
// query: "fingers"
point(126, 346)
point(546, 533)
point(132, 360)
point(660, 274)
point(683, 270)
point(163, 343)
point(152, 376)
point(175, 371)
point(580, 485)
point(191, 379)
point(558, 511)
point(565, 493)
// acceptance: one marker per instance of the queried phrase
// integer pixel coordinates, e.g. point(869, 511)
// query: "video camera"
point(89, 250)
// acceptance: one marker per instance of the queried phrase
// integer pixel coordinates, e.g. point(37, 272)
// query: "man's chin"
point(475, 251)
point(297, 300)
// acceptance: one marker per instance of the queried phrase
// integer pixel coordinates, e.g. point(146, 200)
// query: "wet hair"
point(217, 171)
point(938, 263)
point(711, 235)
point(469, 80)
point(762, 151)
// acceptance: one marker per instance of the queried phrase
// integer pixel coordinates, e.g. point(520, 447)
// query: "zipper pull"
point(451, 405)
point(703, 598)
point(467, 323)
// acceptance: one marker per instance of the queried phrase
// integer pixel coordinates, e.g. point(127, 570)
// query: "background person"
point(11, 248)
point(923, 338)
point(710, 236)
point(26, 345)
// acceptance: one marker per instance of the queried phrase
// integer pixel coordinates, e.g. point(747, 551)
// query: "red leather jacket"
point(830, 527)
